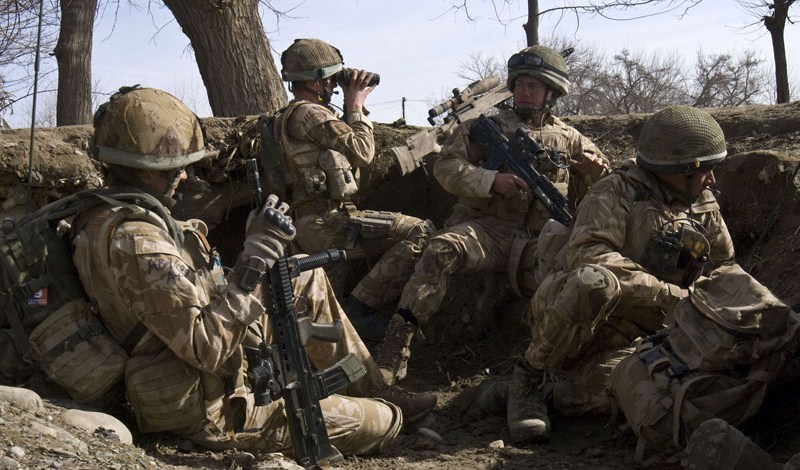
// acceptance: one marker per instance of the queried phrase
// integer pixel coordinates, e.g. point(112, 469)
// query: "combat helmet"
point(680, 140)
point(147, 129)
point(310, 59)
point(542, 63)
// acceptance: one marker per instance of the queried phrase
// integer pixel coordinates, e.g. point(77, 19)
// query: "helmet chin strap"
point(528, 113)
point(132, 178)
point(322, 98)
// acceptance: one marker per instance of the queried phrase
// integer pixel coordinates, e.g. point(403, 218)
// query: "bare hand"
point(509, 184)
point(355, 92)
point(590, 165)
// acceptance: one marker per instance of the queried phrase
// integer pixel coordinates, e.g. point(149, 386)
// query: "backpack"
point(46, 318)
point(724, 347)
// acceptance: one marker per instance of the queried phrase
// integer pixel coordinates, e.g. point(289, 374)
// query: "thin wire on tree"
point(33, 110)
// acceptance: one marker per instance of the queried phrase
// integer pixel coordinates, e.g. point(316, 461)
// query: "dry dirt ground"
point(759, 196)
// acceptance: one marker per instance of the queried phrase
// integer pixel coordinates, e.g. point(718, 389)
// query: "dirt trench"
point(759, 197)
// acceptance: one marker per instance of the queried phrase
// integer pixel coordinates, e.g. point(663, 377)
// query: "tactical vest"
point(319, 179)
point(526, 208)
point(663, 238)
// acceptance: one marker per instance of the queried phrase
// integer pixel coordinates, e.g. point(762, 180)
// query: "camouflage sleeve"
point(454, 171)
point(201, 322)
point(317, 124)
point(722, 252)
point(598, 237)
point(579, 183)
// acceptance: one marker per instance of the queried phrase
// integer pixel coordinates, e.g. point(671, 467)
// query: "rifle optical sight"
point(344, 76)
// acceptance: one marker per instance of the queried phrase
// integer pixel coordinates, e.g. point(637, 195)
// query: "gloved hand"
point(268, 230)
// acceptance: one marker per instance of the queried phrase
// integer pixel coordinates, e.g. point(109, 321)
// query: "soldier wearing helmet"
point(160, 291)
point(495, 225)
point(322, 155)
point(641, 237)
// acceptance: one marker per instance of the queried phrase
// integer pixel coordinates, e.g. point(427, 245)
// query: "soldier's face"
point(165, 182)
point(694, 183)
point(529, 92)
point(701, 181)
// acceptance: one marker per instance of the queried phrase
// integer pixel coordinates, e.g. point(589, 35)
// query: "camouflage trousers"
point(485, 245)
point(355, 425)
point(579, 336)
point(390, 241)
point(586, 386)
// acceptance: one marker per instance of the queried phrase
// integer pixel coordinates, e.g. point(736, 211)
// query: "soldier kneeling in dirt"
point(649, 247)
point(159, 288)
point(642, 236)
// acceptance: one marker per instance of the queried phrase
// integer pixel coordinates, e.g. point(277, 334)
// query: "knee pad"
point(590, 292)
point(566, 310)
point(439, 256)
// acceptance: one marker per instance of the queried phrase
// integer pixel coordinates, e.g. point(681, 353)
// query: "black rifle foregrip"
point(298, 264)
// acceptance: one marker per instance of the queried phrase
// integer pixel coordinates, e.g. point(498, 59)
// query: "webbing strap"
point(691, 410)
point(514, 258)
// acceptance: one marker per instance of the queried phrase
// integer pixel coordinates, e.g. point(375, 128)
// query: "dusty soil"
point(759, 196)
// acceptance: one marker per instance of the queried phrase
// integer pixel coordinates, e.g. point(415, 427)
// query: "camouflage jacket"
point(459, 170)
point(191, 315)
point(304, 131)
point(615, 223)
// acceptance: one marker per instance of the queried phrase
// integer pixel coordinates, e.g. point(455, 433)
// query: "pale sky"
point(414, 46)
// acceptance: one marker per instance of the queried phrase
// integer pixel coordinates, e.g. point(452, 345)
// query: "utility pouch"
point(338, 174)
point(73, 348)
point(677, 256)
point(368, 225)
point(165, 392)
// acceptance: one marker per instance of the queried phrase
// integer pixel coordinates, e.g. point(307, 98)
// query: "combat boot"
point(368, 322)
point(492, 396)
point(414, 406)
point(527, 412)
point(393, 354)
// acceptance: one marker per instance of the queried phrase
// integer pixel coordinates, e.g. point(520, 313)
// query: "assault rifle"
point(517, 155)
point(464, 105)
point(283, 370)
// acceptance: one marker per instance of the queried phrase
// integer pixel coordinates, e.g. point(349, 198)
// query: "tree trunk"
point(531, 27)
point(775, 24)
point(74, 56)
point(233, 55)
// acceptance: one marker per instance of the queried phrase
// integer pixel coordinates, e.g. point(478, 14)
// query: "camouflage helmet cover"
point(310, 59)
point(147, 129)
point(680, 140)
point(540, 62)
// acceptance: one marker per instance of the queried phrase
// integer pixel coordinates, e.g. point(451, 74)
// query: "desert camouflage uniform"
point(305, 130)
point(487, 232)
point(195, 326)
point(582, 332)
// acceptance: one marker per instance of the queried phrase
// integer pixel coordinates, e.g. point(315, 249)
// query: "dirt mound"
point(759, 197)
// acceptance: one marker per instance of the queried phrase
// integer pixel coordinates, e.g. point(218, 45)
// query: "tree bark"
point(531, 27)
point(775, 24)
point(233, 55)
point(74, 57)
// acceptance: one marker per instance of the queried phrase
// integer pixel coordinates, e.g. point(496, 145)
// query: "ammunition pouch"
point(367, 225)
point(339, 177)
point(678, 256)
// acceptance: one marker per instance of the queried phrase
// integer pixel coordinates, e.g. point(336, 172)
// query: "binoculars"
point(344, 76)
